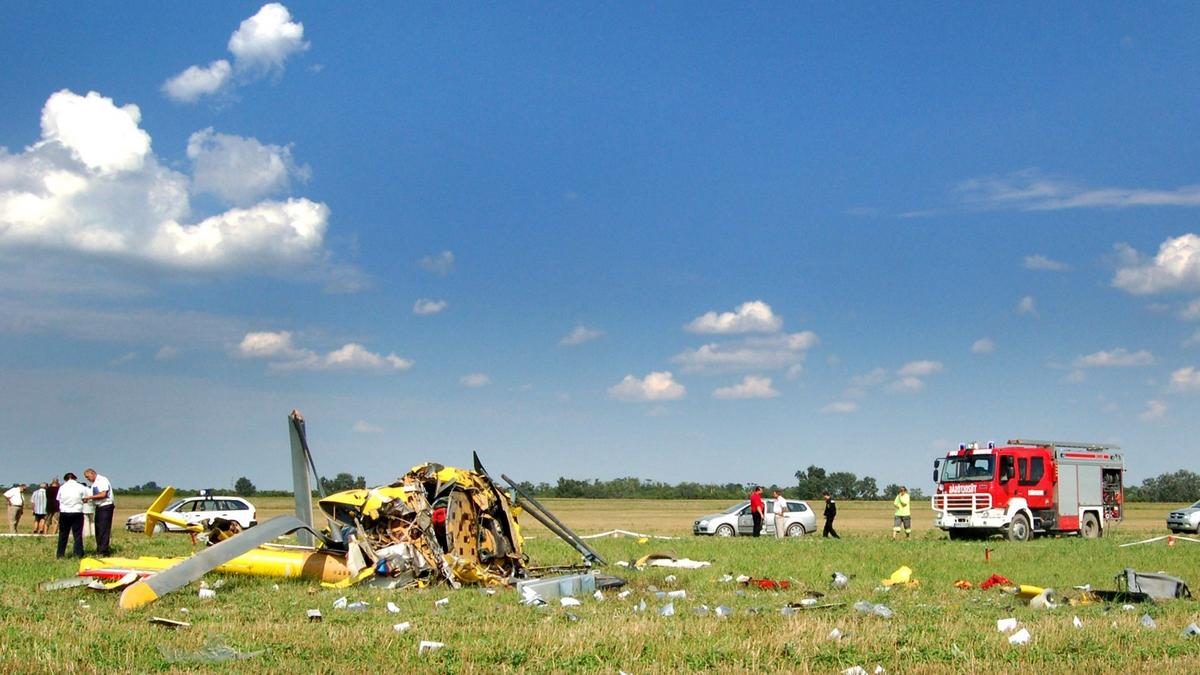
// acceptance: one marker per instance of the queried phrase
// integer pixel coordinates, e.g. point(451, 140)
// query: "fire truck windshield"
point(977, 468)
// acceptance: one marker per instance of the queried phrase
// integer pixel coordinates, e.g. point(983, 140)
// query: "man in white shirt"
point(70, 519)
point(16, 505)
point(780, 510)
point(102, 497)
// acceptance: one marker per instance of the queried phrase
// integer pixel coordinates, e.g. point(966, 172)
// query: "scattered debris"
point(1076, 622)
point(62, 584)
point(668, 609)
point(214, 651)
point(963, 584)
point(1147, 621)
point(725, 578)
point(623, 594)
point(1006, 625)
point(1019, 638)
point(766, 584)
point(401, 627)
point(901, 577)
point(867, 607)
point(550, 588)
point(360, 606)
point(340, 603)
point(835, 634)
point(994, 580)
point(169, 623)
point(1044, 600)
point(1158, 586)
point(391, 607)
point(598, 595)
point(1191, 631)
point(670, 579)
point(723, 611)
point(702, 610)
point(569, 602)
point(314, 615)
point(840, 580)
point(444, 602)
point(429, 646)
point(668, 560)
point(206, 594)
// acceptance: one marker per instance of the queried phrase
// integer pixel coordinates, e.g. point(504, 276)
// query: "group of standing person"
point(902, 518)
point(67, 503)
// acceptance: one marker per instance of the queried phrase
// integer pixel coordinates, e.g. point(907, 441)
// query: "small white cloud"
point(751, 386)
point(1041, 262)
point(907, 384)
point(1155, 410)
point(128, 357)
point(920, 368)
point(1075, 376)
point(475, 380)
point(774, 352)
point(983, 346)
point(440, 264)
point(1031, 190)
point(260, 46)
point(426, 306)
point(840, 408)
point(1175, 268)
point(1116, 358)
point(755, 316)
point(364, 427)
point(1027, 305)
point(657, 386)
point(166, 353)
point(580, 335)
point(1185, 380)
point(198, 81)
point(278, 349)
point(240, 170)
point(874, 378)
point(1193, 340)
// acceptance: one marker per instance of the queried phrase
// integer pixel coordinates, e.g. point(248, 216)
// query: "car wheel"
point(1018, 529)
point(159, 528)
point(725, 530)
point(796, 530)
point(1090, 528)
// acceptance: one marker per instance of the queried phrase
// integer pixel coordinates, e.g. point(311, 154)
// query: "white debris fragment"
point(1148, 622)
point(855, 670)
point(598, 595)
point(1128, 608)
point(1191, 631)
point(677, 594)
point(622, 595)
point(1019, 638)
point(723, 611)
point(840, 580)
point(391, 607)
point(340, 603)
point(1044, 600)
point(640, 607)
point(879, 670)
point(808, 602)
point(531, 597)
point(1076, 622)
point(702, 610)
point(314, 615)
point(622, 563)
point(275, 587)
point(742, 578)
point(668, 610)
point(429, 646)
point(569, 602)
point(360, 606)
point(444, 602)
point(725, 578)
point(670, 579)
point(184, 610)
point(207, 594)
point(1006, 625)
point(835, 634)
point(402, 626)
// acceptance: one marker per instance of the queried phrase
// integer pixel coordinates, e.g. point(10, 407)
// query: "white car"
point(736, 520)
point(1186, 519)
point(201, 510)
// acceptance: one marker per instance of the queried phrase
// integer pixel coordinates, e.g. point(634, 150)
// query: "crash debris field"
point(762, 605)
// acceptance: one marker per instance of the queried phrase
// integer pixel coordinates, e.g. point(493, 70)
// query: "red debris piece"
point(995, 580)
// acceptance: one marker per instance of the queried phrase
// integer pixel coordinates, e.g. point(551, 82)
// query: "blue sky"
point(711, 243)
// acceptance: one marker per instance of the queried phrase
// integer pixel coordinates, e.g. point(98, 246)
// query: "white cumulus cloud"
point(755, 316)
point(426, 306)
point(920, 368)
point(1155, 410)
point(1176, 267)
point(1185, 379)
point(751, 386)
point(240, 170)
point(475, 380)
point(1115, 358)
point(776, 352)
point(1041, 262)
point(260, 46)
point(580, 335)
point(983, 346)
point(440, 264)
point(91, 186)
point(657, 386)
point(279, 350)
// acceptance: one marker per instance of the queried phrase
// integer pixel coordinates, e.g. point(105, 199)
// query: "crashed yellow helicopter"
point(434, 523)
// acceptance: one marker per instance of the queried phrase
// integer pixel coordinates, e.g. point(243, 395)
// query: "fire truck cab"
point(1028, 487)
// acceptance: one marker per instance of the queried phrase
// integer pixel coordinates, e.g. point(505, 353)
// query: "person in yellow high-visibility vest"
point(903, 514)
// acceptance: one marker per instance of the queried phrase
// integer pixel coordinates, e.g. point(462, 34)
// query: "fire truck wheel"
point(1091, 527)
point(1018, 529)
point(725, 531)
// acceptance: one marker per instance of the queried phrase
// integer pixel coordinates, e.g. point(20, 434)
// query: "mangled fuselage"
point(434, 522)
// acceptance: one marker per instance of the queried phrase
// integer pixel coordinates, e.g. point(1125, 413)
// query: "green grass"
point(937, 628)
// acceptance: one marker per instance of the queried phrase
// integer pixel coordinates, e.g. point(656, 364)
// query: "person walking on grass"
point(52, 507)
point(757, 509)
point(779, 509)
point(830, 514)
point(903, 515)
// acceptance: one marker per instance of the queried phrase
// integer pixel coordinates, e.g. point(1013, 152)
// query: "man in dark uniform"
point(830, 514)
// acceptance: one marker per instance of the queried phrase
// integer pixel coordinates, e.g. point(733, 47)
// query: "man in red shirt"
point(757, 509)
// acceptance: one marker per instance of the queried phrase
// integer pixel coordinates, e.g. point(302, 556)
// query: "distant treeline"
point(811, 483)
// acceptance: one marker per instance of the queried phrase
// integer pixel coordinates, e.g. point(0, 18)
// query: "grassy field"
point(936, 628)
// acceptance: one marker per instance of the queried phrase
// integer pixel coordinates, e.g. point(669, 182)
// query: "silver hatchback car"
point(736, 520)
point(1186, 519)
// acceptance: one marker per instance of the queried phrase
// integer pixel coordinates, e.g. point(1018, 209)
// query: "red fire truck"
point(1027, 488)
